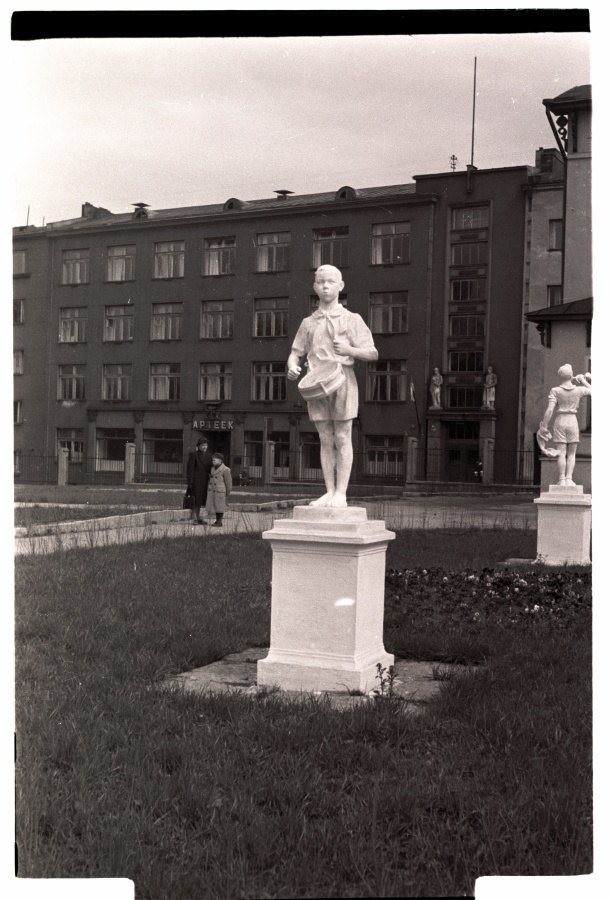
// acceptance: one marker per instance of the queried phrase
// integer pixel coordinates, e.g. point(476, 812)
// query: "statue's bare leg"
point(561, 463)
point(344, 461)
point(328, 460)
point(570, 461)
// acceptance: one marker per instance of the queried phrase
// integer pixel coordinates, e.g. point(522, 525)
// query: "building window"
point(389, 312)
point(253, 452)
point(19, 262)
point(17, 412)
point(17, 362)
point(553, 295)
point(555, 234)
point(217, 319)
point(17, 462)
point(269, 381)
point(71, 383)
point(390, 243)
point(111, 447)
point(166, 322)
point(164, 381)
point(467, 326)
point(72, 325)
point(18, 312)
point(469, 254)
point(271, 317)
point(118, 324)
point(71, 439)
point(470, 217)
point(330, 246)
point(273, 252)
point(163, 453)
point(219, 256)
point(169, 259)
point(215, 381)
point(469, 289)
point(116, 383)
point(281, 452)
point(121, 263)
point(75, 267)
point(384, 454)
point(387, 380)
point(466, 361)
point(465, 397)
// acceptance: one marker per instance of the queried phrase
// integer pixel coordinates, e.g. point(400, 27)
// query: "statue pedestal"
point(327, 601)
point(564, 526)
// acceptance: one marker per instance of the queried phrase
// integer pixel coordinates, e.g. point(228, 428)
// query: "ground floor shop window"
point(384, 454)
point(163, 452)
point(253, 453)
point(110, 456)
point(281, 451)
point(310, 466)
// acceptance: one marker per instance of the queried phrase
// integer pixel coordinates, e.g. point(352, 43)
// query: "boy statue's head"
point(566, 373)
point(328, 283)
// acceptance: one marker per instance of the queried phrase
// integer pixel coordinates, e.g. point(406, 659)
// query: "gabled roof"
point(574, 310)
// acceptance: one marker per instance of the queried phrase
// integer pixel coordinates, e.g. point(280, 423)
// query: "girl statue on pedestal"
point(564, 402)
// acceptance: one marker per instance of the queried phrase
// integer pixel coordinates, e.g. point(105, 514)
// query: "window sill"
point(220, 275)
point(110, 341)
point(272, 272)
point(169, 278)
point(388, 265)
point(216, 339)
point(267, 337)
point(164, 340)
point(120, 281)
point(21, 274)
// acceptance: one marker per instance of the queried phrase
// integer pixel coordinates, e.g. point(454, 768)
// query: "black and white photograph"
point(302, 454)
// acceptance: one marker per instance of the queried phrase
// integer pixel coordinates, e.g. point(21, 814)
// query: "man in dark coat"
point(198, 470)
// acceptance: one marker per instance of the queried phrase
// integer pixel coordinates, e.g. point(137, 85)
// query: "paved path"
point(499, 511)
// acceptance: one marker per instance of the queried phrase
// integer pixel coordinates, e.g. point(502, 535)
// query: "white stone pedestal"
point(564, 526)
point(326, 601)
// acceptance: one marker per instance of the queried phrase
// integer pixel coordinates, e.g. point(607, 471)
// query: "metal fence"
point(298, 467)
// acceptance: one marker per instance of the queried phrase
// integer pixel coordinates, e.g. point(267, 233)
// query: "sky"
point(182, 122)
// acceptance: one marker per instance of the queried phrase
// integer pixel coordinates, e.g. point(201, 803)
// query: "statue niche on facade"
point(489, 389)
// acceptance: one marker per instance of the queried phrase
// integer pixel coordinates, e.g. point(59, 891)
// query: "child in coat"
point(220, 486)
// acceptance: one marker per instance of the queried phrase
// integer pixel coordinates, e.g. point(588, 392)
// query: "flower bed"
point(429, 610)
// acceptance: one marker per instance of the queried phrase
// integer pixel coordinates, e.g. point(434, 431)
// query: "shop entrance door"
point(218, 442)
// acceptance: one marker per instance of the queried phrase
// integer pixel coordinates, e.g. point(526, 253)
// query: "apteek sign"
point(213, 424)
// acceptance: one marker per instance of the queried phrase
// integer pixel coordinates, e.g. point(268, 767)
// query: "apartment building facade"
point(157, 326)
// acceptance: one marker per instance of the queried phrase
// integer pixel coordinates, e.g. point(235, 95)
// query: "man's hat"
point(202, 440)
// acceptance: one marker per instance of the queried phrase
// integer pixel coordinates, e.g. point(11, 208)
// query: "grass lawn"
point(26, 516)
point(240, 797)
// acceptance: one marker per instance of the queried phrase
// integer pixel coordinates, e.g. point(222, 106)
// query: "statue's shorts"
point(565, 429)
point(341, 405)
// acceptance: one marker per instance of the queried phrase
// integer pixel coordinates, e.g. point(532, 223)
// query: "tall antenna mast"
point(474, 103)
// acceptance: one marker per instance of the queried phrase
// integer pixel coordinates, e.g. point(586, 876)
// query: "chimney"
point(282, 194)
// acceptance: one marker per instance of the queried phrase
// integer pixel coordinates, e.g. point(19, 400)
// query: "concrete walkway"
point(434, 512)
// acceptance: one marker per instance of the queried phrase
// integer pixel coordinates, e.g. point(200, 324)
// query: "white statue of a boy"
point(332, 334)
point(564, 401)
